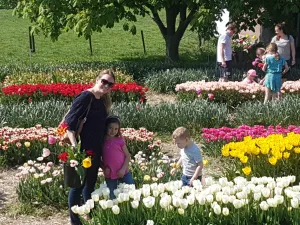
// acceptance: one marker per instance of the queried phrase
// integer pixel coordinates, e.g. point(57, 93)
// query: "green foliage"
point(284, 113)
point(167, 117)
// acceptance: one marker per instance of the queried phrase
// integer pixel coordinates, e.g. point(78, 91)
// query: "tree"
point(52, 17)
point(8, 4)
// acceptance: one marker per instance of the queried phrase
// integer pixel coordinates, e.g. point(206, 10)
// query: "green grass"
point(110, 45)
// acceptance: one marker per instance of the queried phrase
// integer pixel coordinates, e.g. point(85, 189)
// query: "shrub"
point(167, 117)
point(282, 113)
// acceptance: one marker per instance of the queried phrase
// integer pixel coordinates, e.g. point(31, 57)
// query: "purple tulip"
point(51, 140)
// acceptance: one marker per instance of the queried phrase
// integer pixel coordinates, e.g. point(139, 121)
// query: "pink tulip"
point(211, 96)
point(51, 140)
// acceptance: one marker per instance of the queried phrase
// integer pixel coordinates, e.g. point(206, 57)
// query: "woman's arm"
point(286, 67)
point(293, 50)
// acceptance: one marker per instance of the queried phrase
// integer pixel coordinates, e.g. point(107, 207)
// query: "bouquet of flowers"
point(75, 164)
point(242, 44)
point(258, 63)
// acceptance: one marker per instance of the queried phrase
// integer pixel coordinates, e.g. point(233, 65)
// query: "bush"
point(167, 117)
point(61, 91)
point(284, 113)
point(48, 114)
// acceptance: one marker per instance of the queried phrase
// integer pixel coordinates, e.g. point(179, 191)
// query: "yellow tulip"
point(286, 155)
point(205, 162)
point(244, 159)
point(273, 161)
point(297, 150)
point(147, 177)
point(246, 170)
point(27, 144)
point(87, 162)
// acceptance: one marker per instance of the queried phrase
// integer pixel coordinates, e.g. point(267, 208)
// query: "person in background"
point(251, 75)
point(224, 53)
point(286, 46)
point(274, 65)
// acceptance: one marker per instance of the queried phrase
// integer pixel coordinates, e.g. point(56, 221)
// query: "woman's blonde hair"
point(106, 97)
point(273, 48)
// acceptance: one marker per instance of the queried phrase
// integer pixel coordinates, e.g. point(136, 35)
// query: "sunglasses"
point(107, 83)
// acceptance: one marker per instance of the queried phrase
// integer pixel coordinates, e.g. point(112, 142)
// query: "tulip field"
point(251, 151)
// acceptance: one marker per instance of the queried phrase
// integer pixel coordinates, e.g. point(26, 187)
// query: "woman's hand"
point(106, 171)
point(293, 62)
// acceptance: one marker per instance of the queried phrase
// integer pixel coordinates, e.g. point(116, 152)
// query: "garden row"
point(163, 117)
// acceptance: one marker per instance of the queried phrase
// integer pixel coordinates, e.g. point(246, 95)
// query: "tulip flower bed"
point(232, 93)
point(263, 200)
point(275, 155)
point(129, 92)
point(20, 144)
point(215, 138)
point(41, 181)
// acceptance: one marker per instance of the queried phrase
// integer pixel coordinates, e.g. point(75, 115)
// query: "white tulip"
point(80, 210)
point(180, 211)
point(209, 198)
point(75, 209)
point(223, 181)
point(278, 191)
point(95, 197)
point(135, 204)
point(183, 203)
point(161, 188)
point(115, 209)
point(296, 188)
point(150, 222)
point(149, 201)
point(272, 202)
point(225, 199)
point(103, 204)
point(105, 192)
point(117, 192)
point(225, 211)
point(226, 190)
point(110, 203)
point(217, 209)
point(271, 185)
point(90, 203)
point(176, 201)
point(264, 205)
point(156, 193)
point(279, 199)
point(266, 192)
point(241, 195)
point(191, 199)
point(257, 196)
point(86, 209)
point(237, 203)
point(295, 203)
point(219, 196)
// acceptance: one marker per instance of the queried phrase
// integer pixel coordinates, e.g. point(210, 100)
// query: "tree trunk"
point(172, 49)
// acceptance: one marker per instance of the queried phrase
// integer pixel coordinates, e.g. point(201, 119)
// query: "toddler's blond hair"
point(181, 132)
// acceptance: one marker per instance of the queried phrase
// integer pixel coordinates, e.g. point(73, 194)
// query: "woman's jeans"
point(112, 184)
point(85, 190)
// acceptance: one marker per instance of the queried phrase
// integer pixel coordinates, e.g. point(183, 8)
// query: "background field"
point(110, 45)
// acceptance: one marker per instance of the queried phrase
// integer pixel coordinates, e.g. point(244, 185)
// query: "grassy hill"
point(110, 45)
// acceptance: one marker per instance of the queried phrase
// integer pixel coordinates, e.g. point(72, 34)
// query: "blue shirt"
point(274, 65)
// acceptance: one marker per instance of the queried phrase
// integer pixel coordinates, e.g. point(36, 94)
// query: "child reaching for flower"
point(116, 156)
point(251, 74)
point(274, 65)
point(191, 158)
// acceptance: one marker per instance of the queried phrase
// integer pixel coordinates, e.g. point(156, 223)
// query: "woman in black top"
point(92, 134)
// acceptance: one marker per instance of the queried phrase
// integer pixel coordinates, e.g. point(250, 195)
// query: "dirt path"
point(8, 199)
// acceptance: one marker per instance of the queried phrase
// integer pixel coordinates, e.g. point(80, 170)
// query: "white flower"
point(272, 202)
point(150, 222)
point(295, 203)
point(46, 152)
point(257, 196)
point(110, 203)
point(90, 203)
point(217, 209)
point(209, 198)
point(73, 163)
point(80, 210)
point(149, 201)
point(279, 199)
point(43, 182)
point(50, 164)
point(115, 209)
point(183, 203)
point(103, 204)
point(75, 209)
point(49, 180)
point(180, 211)
point(135, 204)
point(237, 203)
point(40, 159)
point(95, 197)
point(225, 211)
point(105, 192)
point(264, 205)
point(266, 192)
point(86, 209)
point(278, 191)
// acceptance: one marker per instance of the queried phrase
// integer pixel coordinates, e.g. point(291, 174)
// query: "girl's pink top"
point(248, 81)
point(113, 156)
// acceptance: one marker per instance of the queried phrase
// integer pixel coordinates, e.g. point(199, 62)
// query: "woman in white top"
point(286, 46)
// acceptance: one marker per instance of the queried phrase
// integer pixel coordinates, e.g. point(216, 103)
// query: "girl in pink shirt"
point(116, 156)
point(251, 74)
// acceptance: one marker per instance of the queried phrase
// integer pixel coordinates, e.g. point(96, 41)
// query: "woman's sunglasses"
point(107, 83)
